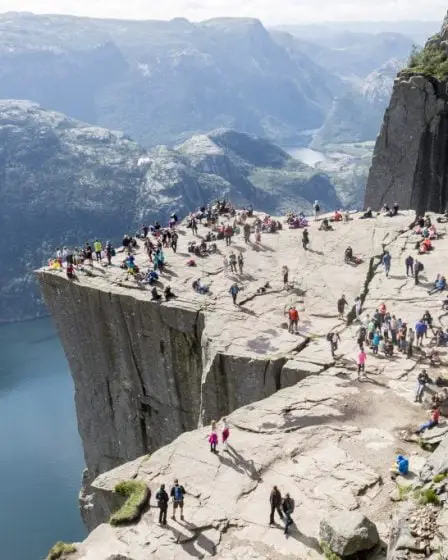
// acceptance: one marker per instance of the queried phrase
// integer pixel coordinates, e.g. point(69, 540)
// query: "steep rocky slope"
point(145, 372)
point(64, 182)
point(409, 162)
point(163, 81)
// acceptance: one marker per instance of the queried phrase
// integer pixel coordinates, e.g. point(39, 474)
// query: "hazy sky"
point(270, 11)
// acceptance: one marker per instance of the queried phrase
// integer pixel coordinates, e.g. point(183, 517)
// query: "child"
point(225, 434)
point(213, 438)
point(361, 362)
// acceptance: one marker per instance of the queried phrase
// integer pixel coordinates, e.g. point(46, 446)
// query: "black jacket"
point(275, 498)
point(162, 498)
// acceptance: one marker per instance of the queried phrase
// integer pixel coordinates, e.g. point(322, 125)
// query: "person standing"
point(386, 263)
point(409, 266)
point(334, 339)
point(362, 357)
point(177, 493)
point(342, 302)
point(275, 500)
point(420, 331)
point(174, 239)
point(285, 274)
point(162, 502)
point(422, 380)
point(316, 208)
point(194, 226)
point(109, 253)
point(98, 248)
point(358, 305)
point(305, 239)
point(418, 267)
point(288, 509)
point(246, 230)
point(293, 315)
point(410, 345)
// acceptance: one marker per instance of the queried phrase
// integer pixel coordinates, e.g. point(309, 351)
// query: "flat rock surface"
point(329, 440)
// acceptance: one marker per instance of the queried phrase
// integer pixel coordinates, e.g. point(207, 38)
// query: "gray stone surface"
point(437, 462)
point(409, 162)
point(348, 532)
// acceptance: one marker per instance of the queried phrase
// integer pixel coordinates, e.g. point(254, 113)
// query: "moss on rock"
point(137, 495)
point(60, 550)
point(432, 60)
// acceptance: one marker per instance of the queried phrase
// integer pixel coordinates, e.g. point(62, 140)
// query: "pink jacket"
point(213, 438)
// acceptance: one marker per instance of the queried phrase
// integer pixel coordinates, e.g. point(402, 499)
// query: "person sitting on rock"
point(337, 216)
point(305, 239)
point(168, 293)
point(348, 255)
point(70, 271)
point(367, 214)
point(425, 246)
point(325, 226)
point(155, 296)
point(401, 466)
point(395, 209)
point(439, 285)
point(199, 287)
point(433, 421)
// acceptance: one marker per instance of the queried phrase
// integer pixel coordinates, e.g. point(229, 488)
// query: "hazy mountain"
point(356, 116)
point(161, 82)
point(65, 182)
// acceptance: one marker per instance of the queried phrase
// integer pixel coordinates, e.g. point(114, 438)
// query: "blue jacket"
point(420, 327)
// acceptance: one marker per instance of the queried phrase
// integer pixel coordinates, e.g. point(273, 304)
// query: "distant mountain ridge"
point(63, 182)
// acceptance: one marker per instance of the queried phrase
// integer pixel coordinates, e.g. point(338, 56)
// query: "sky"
point(269, 11)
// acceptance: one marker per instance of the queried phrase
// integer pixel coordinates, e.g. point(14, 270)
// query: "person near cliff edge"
point(162, 501)
point(98, 248)
point(178, 493)
point(386, 262)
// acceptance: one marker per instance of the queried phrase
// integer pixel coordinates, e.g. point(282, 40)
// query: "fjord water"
point(41, 457)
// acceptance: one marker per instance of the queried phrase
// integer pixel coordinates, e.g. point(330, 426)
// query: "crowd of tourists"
point(383, 334)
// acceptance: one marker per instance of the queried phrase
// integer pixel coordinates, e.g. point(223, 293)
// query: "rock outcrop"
point(348, 532)
point(409, 164)
point(147, 372)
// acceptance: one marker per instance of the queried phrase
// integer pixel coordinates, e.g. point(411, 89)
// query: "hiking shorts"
point(178, 504)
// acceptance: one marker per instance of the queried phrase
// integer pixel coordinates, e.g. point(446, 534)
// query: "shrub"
point(432, 60)
point(60, 550)
point(429, 496)
point(439, 477)
point(403, 491)
point(329, 554)
point(137, 496)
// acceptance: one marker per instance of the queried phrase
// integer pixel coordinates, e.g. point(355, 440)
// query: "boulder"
point(437, 462)
point(349, 532)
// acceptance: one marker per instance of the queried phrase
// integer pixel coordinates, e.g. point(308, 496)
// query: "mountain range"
point(63, 182)
point(162, 81)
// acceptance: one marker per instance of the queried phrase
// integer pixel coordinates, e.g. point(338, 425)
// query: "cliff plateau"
point(409, 162)
point(146, 372)
point(68, 182)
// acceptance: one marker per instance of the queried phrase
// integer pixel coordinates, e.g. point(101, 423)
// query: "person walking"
point(234, 290)
point(334, 339)
point(409, 266)
point(342, 302)
point(232, 261)
point(213, 440)
point(362, 357)
point(358, 305)
point(386, 263)
point(275, 501)
point(288, 509)
point(109, 253)
point(225, 434)
point(162, 502)
point(178, 493)
point(422, 380)
point(241, 262)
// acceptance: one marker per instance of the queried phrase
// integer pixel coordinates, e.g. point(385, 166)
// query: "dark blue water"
point(41, 458)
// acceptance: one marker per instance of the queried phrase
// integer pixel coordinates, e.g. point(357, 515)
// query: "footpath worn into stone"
point(147, 372)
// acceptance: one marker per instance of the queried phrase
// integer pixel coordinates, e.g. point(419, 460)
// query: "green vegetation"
point(403, 491)
point(137, 495)
point(432, 60)
point(427, 446)
point(60, 550)
point(329, 554)
point(427, 496)
point(439, 477)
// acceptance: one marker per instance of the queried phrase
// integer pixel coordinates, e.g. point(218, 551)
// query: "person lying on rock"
point(433, 421)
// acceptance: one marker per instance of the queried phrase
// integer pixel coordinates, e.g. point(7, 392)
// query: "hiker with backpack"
point(177, 493)
point(288, 509)
point(333, 338)
point(162, 502)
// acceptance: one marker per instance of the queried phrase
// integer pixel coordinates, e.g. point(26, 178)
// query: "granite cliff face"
point(409, 164)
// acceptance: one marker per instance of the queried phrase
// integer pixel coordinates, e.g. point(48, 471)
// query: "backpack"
point(329, 336)
point(178, 494)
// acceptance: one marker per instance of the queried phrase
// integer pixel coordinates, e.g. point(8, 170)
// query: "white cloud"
point(269, 11)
